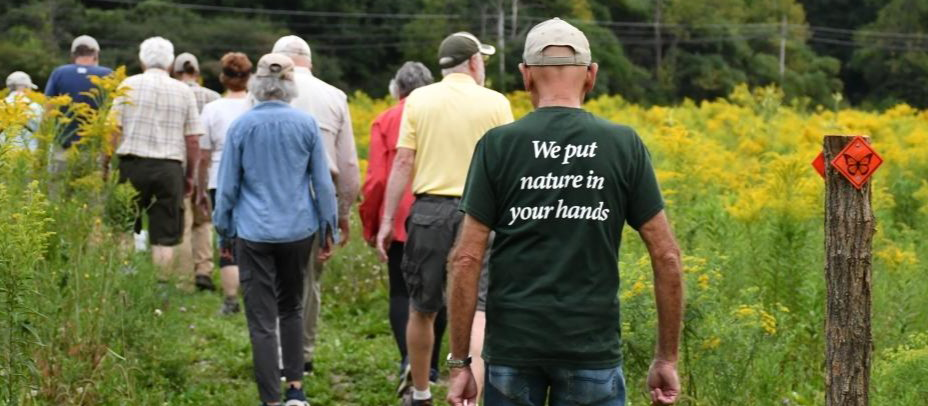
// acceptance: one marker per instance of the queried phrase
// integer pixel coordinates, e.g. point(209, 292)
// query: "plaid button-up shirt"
point(202, 95)
point(155, 115)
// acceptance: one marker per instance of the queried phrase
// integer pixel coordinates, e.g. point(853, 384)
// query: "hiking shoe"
point(230, 306)
point(409, 401)
point(204, 282)
point(405, 384)
point(295, 397)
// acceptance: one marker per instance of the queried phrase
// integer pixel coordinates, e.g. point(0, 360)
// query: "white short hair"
point(459, 68)
point(156, 52)
point(265, 88)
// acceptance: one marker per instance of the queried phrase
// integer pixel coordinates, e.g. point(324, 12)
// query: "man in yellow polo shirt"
point(440, 127)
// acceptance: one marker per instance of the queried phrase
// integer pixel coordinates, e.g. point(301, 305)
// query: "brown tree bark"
point(849, 227)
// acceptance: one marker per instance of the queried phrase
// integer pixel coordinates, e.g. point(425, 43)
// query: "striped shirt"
point(155, 115)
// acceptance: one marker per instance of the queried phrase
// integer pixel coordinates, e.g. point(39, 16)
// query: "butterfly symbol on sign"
point(858, 167)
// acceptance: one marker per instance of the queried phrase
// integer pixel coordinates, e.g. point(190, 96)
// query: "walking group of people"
point(526, 273)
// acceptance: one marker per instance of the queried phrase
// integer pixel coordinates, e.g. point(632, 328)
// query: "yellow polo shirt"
point(442, 122)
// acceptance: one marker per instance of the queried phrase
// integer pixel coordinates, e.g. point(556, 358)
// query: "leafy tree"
point(895, 67)
point(739, 42)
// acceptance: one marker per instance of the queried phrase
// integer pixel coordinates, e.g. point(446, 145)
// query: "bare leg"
point(163, 257)
point(229, 278)
point(419, 340)
point(476, 348)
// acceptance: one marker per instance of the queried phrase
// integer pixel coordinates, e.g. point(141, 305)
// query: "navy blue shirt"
point(73, 80)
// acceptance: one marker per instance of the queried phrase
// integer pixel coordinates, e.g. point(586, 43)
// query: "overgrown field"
point(84, 320)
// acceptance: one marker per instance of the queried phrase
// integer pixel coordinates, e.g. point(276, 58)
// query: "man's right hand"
point(663, 382)
point(384, 239)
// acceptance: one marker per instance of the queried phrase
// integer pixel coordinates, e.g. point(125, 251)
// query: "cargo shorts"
point(431, 229)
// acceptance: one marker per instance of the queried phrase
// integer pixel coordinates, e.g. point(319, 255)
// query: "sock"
point(421, 395)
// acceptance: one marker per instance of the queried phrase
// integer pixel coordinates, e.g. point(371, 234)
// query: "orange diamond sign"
point(819, 164)
point(857, 162)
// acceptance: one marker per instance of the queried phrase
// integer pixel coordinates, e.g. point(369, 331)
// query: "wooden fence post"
point(849, 228)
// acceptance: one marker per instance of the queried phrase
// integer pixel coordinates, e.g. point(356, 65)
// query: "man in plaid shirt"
point(159, 129)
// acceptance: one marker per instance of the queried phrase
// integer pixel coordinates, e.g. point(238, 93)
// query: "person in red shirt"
point(384, 133)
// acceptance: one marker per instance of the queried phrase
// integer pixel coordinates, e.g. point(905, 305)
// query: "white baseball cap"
point(183, 58)
point(20, 79)
point(86, 41)
point(292, 45)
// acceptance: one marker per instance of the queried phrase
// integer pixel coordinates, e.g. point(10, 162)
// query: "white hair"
point(459, 68)
point(265, 88)
point(156, 52)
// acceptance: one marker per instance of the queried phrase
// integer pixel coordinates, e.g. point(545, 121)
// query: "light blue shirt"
point(274, 182)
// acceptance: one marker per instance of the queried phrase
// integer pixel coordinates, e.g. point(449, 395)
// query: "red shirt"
point(384, 132)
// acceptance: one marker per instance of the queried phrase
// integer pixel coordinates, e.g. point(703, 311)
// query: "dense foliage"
point(651, 51)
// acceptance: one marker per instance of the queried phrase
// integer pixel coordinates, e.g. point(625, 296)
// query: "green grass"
point(206, 357)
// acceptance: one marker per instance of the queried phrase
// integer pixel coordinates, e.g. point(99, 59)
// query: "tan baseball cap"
point(20, 79)
point(556, 32)
point(458, 47)
point(275, 65)
point(86, 41)
point(292, 45)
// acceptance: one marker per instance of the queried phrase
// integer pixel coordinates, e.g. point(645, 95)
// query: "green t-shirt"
point(557, 187)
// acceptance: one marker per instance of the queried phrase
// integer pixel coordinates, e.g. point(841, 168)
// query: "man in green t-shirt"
point(557, 187)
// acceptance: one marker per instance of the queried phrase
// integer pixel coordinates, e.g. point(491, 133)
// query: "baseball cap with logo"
point(20, 79)
point(556, 32)
point(458, 47)
point(292, 45)
point(275, 65)
point(86, 41)
point(183, 58)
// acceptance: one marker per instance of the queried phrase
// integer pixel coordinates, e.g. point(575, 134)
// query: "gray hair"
point(156, 52)
point(409, 77)
point(265, 88)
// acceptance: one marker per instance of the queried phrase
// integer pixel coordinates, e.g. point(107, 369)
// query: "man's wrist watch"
point(457, 363)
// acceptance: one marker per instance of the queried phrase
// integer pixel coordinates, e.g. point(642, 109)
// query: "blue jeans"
point(529, 386)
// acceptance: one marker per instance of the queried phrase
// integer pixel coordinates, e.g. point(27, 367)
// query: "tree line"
point(874, 52)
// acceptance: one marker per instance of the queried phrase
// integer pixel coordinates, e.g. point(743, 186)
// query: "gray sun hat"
point(20, 79)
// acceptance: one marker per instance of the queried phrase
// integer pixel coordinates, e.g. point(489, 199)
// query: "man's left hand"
point(663, 382)
point(344, 228)
point(462, 387)
point(325, 252)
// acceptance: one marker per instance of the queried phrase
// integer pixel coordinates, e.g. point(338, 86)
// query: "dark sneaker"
point(405, 384)
point(230, 306)
point(433, 375)
point(204, 282)
point(409, 401)
point(295, 397)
